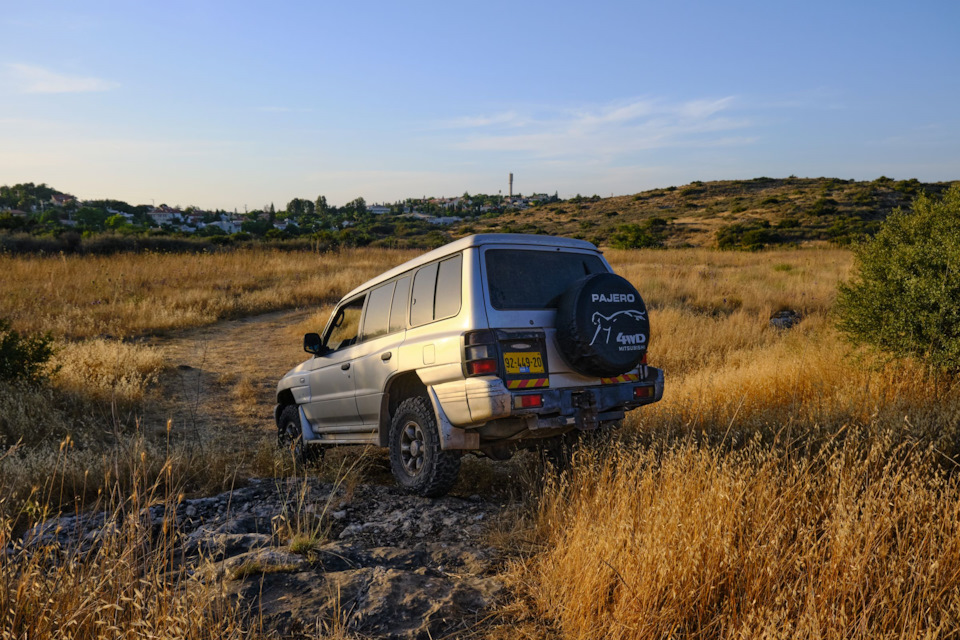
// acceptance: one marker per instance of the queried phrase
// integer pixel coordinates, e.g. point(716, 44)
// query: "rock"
point(785, 319)
point(399, 566)
point(264, 561)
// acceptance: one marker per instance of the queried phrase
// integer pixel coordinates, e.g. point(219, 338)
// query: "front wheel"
point(416, 459)
point(290, 438)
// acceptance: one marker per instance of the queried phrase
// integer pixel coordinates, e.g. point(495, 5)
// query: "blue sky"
point(234, 104)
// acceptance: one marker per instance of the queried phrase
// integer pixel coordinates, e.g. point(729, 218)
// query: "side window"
point(424, 285)
point(346, 325)
point(376, 320)
point(398, 312)
point(448, 288)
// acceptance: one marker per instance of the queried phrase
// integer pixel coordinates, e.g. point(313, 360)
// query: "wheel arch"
point(284, 399)
point(398, 388)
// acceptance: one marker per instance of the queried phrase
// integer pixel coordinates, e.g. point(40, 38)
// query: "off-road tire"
point(436, 472)
point(290, 438)
point(600, 337)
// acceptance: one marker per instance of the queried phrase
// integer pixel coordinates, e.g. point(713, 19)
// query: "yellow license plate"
point(520, 362)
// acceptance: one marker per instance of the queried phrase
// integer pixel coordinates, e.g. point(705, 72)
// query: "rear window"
point(526, 279)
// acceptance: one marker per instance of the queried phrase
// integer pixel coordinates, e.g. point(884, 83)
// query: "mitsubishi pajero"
point(489, 343)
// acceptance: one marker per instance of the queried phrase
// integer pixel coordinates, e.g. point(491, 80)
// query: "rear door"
point(384, 326)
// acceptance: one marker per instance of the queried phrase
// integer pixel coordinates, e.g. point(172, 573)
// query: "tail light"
point(528, 401)
point(643, 360)
point(480, 353)
point(640, 393)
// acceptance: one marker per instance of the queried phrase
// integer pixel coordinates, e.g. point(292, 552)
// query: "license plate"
point(520, 362)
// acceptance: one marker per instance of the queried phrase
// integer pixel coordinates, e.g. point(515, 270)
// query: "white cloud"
point(34, 79)
point(606, 132)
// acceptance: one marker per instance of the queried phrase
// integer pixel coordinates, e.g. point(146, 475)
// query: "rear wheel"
point(290, 438)
point(416, 459)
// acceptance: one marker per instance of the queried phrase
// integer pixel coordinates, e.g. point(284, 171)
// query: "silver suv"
point(486, 344)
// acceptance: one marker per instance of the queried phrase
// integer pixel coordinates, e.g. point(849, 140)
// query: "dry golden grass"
point(108, 369)
point(131, 584)
point(785, 486)
point(132, 294)
point(698, 542)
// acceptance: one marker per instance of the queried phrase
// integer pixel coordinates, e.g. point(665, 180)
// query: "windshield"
point(530, 279)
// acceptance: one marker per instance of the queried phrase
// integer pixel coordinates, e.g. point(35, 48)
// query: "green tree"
point(295, 208)
point(903, 298)
point(355, 208)
point(321, 206)
point(91, 218)
point(115, 222)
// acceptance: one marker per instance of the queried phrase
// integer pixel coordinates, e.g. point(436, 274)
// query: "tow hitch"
point(587, 402)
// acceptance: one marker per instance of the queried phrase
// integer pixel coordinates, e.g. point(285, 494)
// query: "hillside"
point(726, 213)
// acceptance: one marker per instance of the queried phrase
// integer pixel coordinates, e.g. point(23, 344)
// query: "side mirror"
point(313, 344)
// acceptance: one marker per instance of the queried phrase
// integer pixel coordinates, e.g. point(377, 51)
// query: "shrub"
point(903, 298)
point(23, 359)
point(823, 207)
point(634, 236)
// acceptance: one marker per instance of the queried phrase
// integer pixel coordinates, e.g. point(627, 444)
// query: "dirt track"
point(223, 376)
point(391, 565)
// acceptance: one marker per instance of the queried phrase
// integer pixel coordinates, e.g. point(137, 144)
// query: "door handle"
point(386, 356)
point(345, 366)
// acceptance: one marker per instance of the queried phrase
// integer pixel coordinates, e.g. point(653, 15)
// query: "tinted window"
point(424, 284)
point(525, 279)
point(346, 325)
point(448, 288)
point(398, 312)
point(376, 320)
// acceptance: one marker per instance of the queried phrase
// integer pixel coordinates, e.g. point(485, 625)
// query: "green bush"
point(23, 359)
point(823, 207)
point(904, 296)
point(633, 236)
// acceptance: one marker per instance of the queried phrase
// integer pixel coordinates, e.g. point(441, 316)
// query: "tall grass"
point(132, 294)
point(786, 486)
point(701, 542)
point(130, 582)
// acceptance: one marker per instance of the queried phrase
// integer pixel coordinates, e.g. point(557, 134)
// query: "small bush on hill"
point(903, 298)
point(823, 207)
point(751, 236)
point(639, 236)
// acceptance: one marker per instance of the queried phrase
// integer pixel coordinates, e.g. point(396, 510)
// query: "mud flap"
point(452, 437)
point(306, 427)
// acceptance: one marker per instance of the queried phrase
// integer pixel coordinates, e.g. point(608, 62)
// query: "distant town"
point(34, 208)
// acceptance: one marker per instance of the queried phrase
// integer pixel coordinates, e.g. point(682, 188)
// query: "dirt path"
point(385, 564)
point(223, 377)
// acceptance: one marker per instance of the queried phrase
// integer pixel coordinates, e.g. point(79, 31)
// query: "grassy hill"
point(726, 213)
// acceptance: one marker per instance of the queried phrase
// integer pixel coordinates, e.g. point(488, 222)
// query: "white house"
point(165, 217)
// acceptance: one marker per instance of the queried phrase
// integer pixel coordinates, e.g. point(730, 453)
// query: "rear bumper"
point(484, 399)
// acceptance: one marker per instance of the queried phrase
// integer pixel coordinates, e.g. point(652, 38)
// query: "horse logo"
point(606, 323)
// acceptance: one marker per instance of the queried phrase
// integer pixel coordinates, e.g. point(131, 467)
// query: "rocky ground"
point(369, 559)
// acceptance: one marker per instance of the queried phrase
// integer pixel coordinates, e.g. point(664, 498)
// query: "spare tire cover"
point(602, 325)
